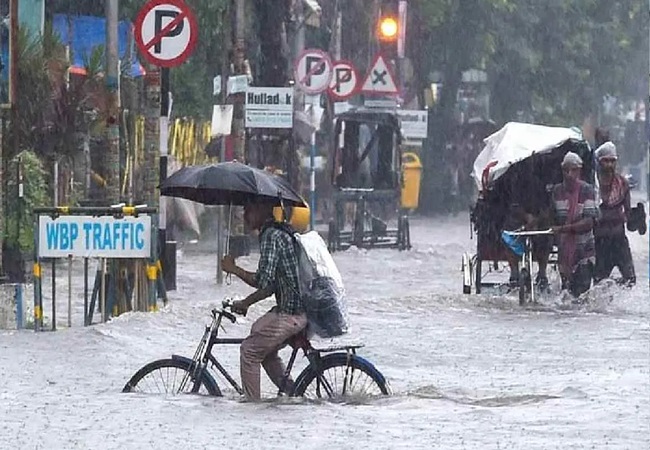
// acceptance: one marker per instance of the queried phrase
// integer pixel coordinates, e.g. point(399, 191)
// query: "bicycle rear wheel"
point(341, 377)
point(172, 376)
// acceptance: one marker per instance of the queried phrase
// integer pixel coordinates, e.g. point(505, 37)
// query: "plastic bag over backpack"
point(321, 287)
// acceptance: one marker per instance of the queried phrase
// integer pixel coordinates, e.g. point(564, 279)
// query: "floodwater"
point(467, 371)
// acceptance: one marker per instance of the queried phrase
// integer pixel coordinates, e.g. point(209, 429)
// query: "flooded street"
point(467, 372)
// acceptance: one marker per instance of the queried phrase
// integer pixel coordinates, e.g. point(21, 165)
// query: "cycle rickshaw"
point(367, 179)
point(520, 162)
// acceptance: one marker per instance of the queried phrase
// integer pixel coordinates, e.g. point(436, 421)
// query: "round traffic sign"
point(345, 80)
point(166, 32)
point(313, 71)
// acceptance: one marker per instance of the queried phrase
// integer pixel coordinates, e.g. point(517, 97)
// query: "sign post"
point(313, 72)
point(166, 33)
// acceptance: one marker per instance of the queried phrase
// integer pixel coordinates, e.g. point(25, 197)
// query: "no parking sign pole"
point(166, 33)
point(313, 73)
point(312, 180)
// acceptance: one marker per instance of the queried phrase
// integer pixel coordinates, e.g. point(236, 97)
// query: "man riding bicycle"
point(277, 273)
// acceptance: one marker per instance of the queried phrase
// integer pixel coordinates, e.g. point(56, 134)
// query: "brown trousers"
point(268, 335)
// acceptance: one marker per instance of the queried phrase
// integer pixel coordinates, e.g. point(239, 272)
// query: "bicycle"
point(525, 283)
point(319, 379)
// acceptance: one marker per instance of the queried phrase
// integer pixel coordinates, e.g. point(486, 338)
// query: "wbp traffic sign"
point(313, 71)
point(345, 80)
point(166, 32)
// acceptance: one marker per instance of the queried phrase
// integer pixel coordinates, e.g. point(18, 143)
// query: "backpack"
point(320, 285)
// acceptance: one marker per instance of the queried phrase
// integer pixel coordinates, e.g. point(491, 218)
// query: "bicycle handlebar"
point(222, 312)
point(530, 233)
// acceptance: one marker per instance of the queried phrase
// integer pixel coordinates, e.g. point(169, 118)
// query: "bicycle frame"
point(527, 257)
point(204, 355)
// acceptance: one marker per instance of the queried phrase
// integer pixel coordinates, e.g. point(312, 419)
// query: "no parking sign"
point(313, 71)
point(345, 80)
point(166, 32)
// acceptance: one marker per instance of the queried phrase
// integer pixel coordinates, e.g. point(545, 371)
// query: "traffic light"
point(388, 28)
point(388, 25)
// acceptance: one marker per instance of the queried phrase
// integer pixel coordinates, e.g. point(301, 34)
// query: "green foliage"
point(35, 195)
point(551, 60)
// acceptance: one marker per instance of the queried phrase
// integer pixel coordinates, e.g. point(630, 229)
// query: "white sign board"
point(414, 123)
point(380, 78)
point(216, 85)
point(94, 237)
point(237, 84)
point(269, 107)
point(221, 120)
point(313, 71)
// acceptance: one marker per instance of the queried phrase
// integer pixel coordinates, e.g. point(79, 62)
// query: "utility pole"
point(239, 68)
point(112, 82)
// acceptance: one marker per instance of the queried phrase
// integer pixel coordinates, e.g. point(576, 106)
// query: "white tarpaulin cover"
point(516, 142)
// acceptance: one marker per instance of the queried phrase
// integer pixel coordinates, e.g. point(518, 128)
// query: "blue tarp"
point(85, 33)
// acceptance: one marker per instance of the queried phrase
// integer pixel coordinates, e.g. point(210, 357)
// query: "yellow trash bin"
point(412, 174)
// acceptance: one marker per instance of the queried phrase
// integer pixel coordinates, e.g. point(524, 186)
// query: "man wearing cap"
point(575, 215)
point(612, 246)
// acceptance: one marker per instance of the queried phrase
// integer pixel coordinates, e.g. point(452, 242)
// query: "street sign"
point(313, 71)
point(269, 107)
point(345, 80)
point(166, 32)
point(94, 237)
point(380, 78)
point(414, 123)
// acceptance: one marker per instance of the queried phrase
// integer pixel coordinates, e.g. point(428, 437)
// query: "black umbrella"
point(229, 183)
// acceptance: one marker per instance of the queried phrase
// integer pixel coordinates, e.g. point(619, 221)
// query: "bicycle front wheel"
point(341, 377)
point(172, 376)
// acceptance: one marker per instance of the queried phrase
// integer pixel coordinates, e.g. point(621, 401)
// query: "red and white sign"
point(345, 80)
point(166, 32)
point(380, 78)
point(313, 71)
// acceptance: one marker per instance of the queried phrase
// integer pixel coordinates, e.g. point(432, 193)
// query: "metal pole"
point(69, 291)
point(19, 219)
point(13, 55)
point(647, 113)
point(338, 31)
point(113, 118)
point(222, 151)
point(312, 181)
point(53, 294)
point(86, 315)
point(38, 298)
point(56, 182)
point(102, 291)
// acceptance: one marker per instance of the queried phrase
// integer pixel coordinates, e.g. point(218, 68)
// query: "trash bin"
point(412, 174)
